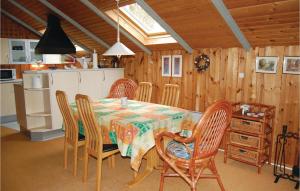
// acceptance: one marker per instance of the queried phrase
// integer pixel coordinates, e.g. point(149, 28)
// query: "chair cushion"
point(109, 147)
point(81, 137)
point(178, 150)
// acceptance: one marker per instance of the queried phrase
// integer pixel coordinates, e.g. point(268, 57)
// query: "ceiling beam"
point(22, 23)
point(224, 12)
point(162, 23)
point(107, 19)
point(37, 18)
point(73, 22)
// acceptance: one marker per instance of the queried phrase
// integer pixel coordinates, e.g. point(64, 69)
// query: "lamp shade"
point(118, 49)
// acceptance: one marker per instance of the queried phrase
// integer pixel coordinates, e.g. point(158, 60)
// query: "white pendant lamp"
point(118, 49)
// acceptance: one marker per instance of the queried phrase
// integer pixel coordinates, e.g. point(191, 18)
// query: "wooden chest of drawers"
point(249, 139)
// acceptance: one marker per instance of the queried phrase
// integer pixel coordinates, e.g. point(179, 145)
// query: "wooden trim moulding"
point(224, 12)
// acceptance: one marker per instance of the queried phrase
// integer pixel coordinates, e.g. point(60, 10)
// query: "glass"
point(18, 51)
point(33, 56)
point(142, 19)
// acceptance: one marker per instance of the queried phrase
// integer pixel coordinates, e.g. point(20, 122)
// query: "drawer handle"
point(244, 137)
point(242, 151)
point(246, 122)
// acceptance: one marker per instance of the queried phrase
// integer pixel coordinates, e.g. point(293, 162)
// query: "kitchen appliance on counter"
point(7, 74)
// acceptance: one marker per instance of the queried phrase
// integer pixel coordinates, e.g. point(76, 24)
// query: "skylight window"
point(142, 19)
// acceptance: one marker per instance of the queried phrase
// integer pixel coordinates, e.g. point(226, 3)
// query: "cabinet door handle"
point(103, 76)
point(79, 77)
point(244, 137)
point(245, 122)
point(242, 151)
point(52, 79)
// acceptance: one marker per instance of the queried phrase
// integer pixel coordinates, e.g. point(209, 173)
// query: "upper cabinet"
point(4, 51)
point(32, 55)
point(21, 51)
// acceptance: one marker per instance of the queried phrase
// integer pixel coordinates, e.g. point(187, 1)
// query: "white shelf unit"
point(42, 111)
point(37, 102)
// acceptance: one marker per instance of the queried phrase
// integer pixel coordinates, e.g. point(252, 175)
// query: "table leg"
point(151, 162)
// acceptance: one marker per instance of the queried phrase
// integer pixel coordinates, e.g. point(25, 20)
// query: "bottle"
point(84, 63)
point(95, 60)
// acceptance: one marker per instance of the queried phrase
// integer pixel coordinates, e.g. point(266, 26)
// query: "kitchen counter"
point(68, 70)
point(11, 81)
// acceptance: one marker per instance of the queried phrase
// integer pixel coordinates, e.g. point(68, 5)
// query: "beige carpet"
point(38, 166)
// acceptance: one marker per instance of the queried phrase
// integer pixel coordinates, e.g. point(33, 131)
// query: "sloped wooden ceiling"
point(11, 29)
point(42, 11)
point(197, 22)
point(263, 22)
point(267, 22)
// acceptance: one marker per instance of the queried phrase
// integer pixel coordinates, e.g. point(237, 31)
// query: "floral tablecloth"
point(133, 127)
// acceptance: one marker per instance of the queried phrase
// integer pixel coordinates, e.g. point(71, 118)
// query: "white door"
point(111, 75)
point(67, 82)
point(91, 83)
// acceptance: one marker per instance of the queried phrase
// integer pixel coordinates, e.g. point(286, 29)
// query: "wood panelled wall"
point(221, 81)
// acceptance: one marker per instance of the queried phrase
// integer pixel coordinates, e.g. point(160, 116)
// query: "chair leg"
point(215, 172)
point(162, 176)
point(85, 164)
point(75, 160)
point(98, 175)
point(65, 154)
point(111, 161)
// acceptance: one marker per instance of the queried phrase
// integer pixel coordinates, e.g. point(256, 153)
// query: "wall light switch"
point(241, 75)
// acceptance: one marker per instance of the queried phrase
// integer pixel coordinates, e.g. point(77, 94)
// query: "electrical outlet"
point(241, 75)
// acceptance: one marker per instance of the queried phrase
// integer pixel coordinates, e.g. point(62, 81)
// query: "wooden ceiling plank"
point(107, 19)
point(219, 4)
point(74, 23)
point(167, 27)
point(42, 21)
point(21, 23)
point(28, 12)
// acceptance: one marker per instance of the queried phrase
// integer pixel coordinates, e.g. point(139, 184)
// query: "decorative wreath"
point(202, 62)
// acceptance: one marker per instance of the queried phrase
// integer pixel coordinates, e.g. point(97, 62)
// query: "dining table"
point(133, 127)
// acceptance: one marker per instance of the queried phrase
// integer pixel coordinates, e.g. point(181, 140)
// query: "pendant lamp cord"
point(118, 33)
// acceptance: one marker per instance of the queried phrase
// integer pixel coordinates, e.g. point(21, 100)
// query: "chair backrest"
point(71, 128)
point(144, 92)
point(209, 131)
point(170, 95)
point(123, 88)
point(92, 131)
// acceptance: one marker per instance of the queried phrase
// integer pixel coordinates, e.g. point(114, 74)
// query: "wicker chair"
point(72, 136)
point(170, 95)
point(188, 157)
point(144, 92)
point(123, 88)
point(94, 145)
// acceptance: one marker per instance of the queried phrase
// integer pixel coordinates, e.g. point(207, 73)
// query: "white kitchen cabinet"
point(92, 83)
point(7, 101)
point(21, 51)
point(111, 76)
point(4, 51)
point(42, 111)
point(67, 82)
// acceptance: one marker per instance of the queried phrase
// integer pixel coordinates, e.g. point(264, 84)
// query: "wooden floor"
point(38, 166)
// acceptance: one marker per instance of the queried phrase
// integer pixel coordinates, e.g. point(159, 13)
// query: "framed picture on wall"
point(177, 65)
point(266, 64)
point(291, 65)
point(166, 65)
